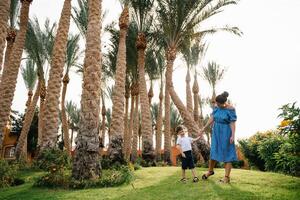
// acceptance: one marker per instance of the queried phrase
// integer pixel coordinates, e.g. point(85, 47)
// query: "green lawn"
point(163, 183)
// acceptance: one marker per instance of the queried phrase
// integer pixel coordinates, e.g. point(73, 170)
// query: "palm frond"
point(29, 74)
point(73, 52)
point(14, 13)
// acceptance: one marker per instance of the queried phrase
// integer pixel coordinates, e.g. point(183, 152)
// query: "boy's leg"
point(183, 174)
point(194, 172)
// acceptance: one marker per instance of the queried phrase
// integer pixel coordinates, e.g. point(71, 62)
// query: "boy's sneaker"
point(195, 179)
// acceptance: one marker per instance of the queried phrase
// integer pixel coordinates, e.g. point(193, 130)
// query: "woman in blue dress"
point(223, 132)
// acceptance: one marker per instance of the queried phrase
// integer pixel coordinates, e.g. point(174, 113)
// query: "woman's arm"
point(209, 122)
point(232, 126)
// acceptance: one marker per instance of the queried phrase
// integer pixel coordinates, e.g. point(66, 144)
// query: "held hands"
point(231, 140)
point(183, 155)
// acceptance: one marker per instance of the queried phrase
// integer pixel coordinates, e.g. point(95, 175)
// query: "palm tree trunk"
point(147, 152)
point(65, 125)
point(71, 142)
point(159, 126)
point(4, 15)
point(117, 126)
point(196, 105)
point(86, 160)
point(10, 73)
point(134, 153)
point(167, 134)
point(55, 82)
point(128, 140)
point(187, 117)
point(21, 149)
point(29, 98)
point(41, 113)
point(103, 112)
point(189, 98)
point(126, 131)
point(150, 94)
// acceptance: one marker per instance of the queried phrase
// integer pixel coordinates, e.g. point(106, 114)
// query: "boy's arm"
point(197, 138)
point(180, 150)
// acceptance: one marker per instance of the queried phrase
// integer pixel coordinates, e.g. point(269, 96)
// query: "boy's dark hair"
point(178, 129)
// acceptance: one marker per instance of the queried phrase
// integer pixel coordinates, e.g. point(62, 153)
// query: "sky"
point(262, 66)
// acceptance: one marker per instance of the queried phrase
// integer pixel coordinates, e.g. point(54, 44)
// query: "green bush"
point(267, 149)
point(250, 146)
point(8, 173)
point(53, 157)
point(55, 178)
point(287, 159)
point(238, 164)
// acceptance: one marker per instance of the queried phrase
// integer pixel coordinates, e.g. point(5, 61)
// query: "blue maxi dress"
point(221, 149)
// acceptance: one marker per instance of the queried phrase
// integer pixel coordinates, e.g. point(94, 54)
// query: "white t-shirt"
point(185, 143)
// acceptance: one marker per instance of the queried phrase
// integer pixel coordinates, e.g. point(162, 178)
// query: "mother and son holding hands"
point(222, 149)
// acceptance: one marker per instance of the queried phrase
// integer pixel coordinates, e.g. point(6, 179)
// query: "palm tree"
point(4, 15)
point(142, 15)
point(136, 122)
point(178, 21)
point(117, 127)
point(54, 83)
point(38, 46)
point(213, 74)
point(86, 165)
point(10, 73)
point(12, 30)
point(73, 53)
point(29, 75)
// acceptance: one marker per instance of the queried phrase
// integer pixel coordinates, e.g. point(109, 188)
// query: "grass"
point(163, 183)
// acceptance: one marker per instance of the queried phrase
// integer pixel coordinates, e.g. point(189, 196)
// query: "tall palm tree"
point(14, 12)
point(117, 127)
point(4, 15)
point(179, 20)
point(86, 165)
point(54, 83)
point(29, 74)
point(10, 73)
point(159, 125)
point(213, 74)
point(73, 53)
point(36, 46)
point(142, 16)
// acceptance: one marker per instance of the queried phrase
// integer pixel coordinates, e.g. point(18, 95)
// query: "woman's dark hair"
point(222, 98)
point(178, 129)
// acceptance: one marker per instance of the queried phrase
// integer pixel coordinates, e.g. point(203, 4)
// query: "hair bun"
point(225, 94)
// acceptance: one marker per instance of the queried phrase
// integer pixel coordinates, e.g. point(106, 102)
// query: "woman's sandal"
point(226, 179)
point(210, 173)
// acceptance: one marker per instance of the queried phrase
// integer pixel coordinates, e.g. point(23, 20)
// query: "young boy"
point(184, 145)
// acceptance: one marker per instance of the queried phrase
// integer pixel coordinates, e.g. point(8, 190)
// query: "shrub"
point(267, 149)
point(53, 157)
point(238, 164)
point(249, 147)
point(8, 173)
point(287, 159)
point(55, 178)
